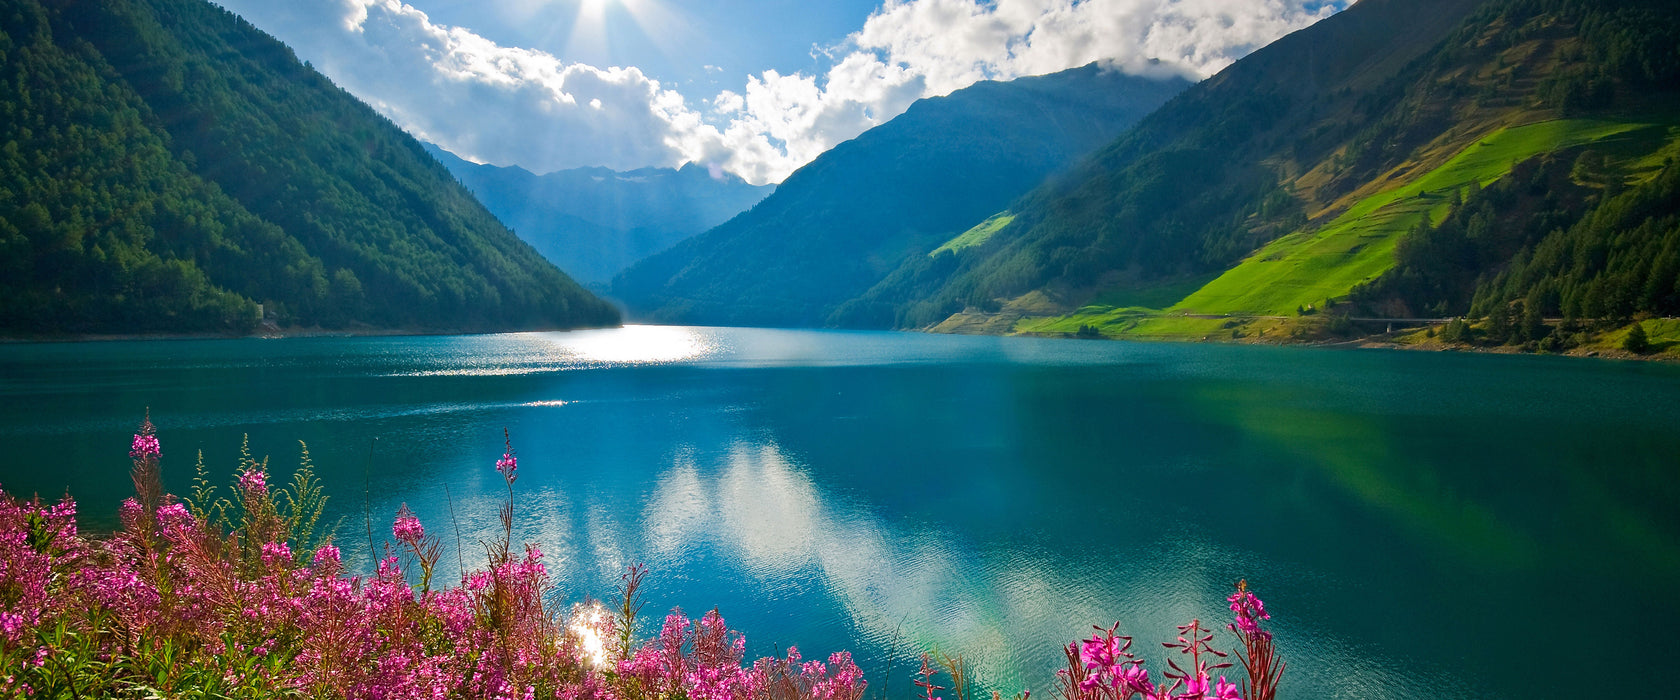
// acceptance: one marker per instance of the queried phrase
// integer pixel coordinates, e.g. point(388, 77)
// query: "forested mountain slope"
point(838, 225)
point(167, 167)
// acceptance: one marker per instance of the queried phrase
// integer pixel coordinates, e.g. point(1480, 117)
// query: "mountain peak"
point(839, 223)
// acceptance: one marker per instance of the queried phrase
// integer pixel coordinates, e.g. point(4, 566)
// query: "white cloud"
point(488, 102)
point(909, 49)
point(784, 121)
point(510, 105)
point(956, 42)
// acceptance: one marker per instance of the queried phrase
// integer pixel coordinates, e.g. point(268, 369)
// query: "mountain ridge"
point(838, 224)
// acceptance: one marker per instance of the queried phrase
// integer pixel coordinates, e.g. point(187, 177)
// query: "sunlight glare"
point(634, 344)
point(652, 18)
point(592, 9)
point(586, 627)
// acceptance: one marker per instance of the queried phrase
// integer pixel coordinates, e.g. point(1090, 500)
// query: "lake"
point(1421, 525)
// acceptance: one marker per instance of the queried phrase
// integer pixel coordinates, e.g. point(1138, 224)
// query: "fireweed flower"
point(326, 555)
point(253, 481)
point(174, 517)
point(1134, 678)
point(407, 528)
point(276, 553)
point(130, 513)
point(145, 446)
point(1098, 652)
point(1249, 609)
point(145, 442)
point(1108, 660)
point(508, 465)
point(1259, 651)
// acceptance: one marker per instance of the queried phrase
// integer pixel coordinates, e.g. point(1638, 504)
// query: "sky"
point(755, 88)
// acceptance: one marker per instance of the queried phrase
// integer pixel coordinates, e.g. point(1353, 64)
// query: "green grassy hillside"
point(1310, 267)
point(1301, 275)
point(975, 236)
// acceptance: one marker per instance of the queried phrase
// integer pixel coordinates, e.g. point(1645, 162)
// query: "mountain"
point(1409, 156)
point(594, 222)
point(839, 224)
point(168, 167)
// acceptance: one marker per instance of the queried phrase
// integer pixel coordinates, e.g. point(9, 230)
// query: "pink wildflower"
point(508, 465)
point(326, 555)
point(407, 528)
point(1108, 659)
point(253, 481)
point(1098, 652)
point(10, 624)
point(130, 514)
point(276, 553)
point(1136, 678)
point(174, 516)
point(145, 446)
point(1250, 610)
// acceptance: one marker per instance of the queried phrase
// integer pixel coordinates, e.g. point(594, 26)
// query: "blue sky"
point(754, 88)
point(735, 38)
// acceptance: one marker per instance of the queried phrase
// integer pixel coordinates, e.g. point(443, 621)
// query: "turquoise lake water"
point(1420, 525)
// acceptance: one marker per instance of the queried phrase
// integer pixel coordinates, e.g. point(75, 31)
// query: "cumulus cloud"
point(510, 105)
point(957, 42)
point(909, 49)
point(485, 101)
point(784, 121)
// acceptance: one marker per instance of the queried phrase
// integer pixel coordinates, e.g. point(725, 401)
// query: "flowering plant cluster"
point(244, 597)
point(1104, 667)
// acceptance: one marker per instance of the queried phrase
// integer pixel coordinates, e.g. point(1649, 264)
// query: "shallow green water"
point(1420, 525)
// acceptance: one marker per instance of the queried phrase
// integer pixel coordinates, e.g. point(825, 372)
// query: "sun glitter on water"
point(586, 627)
point(633, 344)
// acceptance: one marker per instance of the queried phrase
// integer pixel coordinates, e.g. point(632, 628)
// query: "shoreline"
point(1381, 341)
point(276, 333)
point(1375, 343)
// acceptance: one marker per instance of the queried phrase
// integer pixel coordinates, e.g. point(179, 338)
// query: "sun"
point(589, 27)
point(596, 9)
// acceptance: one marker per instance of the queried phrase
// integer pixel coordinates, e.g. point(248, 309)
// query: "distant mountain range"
point(841, 223)
point(167, 167)
point(594, 222)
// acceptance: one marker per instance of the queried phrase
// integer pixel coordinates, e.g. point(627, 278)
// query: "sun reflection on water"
point(586, 624)
point(633, 345)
